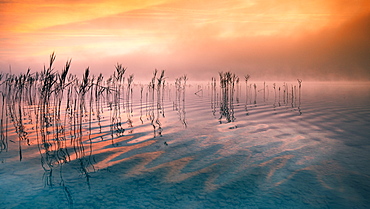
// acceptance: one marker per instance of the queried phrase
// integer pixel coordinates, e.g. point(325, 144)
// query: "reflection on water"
point(179, 102)
point(115, 143)
point(229, 91)
point(67, 118)
point(227, 87)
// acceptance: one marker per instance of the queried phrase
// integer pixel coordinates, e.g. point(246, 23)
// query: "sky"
point(311, 40)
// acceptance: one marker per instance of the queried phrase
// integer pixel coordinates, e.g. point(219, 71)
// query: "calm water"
point(187, 147)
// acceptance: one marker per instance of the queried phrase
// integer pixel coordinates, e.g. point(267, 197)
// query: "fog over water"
point(184, 104)
point(105, 143)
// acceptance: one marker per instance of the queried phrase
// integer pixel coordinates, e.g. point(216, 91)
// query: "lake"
point(185, 144)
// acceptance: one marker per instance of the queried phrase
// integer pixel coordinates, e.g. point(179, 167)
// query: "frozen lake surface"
point(186, 147)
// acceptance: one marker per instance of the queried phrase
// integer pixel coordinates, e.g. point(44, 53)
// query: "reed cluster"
point(229, 90)
point(54, 110)
point(228, 81)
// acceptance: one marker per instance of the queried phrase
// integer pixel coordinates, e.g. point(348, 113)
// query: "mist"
point(331, 54)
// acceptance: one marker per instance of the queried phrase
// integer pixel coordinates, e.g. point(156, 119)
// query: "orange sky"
point(297, 37)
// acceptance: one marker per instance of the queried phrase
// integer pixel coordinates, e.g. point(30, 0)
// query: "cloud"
point(329, 54)
point(29, 16)
point(311, 40)
point(339, 53)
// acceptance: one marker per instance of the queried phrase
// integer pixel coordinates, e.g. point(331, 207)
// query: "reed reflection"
point(287, 96)
point(222, 96)
point(214, 96)
point(227, 84)
point(71, 121)
point(64, 116)
point(179, 103)
point(156, 108)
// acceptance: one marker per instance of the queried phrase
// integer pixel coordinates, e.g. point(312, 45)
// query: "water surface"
point(187, 147)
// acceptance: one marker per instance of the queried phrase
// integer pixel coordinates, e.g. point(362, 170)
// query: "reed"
point(246, 88)
point(227, 84)
point(213, 96)
point(299, 95)
point(179, 102)
point(55, 110)
point(255, 93)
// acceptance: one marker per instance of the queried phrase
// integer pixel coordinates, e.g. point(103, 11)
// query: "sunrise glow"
point(184, 104)
point(178, 35)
